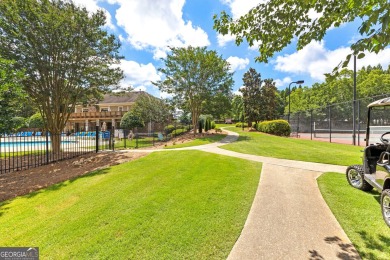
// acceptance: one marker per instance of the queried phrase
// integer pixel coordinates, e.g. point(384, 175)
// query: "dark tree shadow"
point(314, 255)
point(4, 207)
point(381, 243)
point(347, 251)
point(58, 186)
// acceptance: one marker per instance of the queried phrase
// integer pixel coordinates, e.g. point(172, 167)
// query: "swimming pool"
point(30, 143)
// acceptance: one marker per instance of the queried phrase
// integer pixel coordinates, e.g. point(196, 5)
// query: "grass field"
point(359, 214)
point(294, 149)
point(182, 209)
point(199, 141)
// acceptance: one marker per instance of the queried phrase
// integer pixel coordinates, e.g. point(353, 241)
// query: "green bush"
point(275, 127)
point(36, 121)
point(178, 132)
point(239, 124)
point(212, 125)
point(207, 125)
point(169, 129)
point(131, 120)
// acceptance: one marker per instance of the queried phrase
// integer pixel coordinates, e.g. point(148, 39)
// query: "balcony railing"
point(98, 115)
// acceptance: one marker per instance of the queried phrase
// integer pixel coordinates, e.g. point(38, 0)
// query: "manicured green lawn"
point(131, 144)
point(167, 205)
point(359, 214)
point(199, 141)
point(294, 149)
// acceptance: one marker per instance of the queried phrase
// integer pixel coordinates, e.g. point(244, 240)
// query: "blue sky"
point(147, 27)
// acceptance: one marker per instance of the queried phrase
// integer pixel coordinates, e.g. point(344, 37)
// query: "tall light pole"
point(299, 82)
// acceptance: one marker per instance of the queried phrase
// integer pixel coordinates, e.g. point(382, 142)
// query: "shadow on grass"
point(63, 184)
point(376, 195)
point(379, 243)
point(3, 206)
point(54, 187)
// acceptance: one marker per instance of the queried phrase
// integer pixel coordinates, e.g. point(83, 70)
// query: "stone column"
point(86, 125)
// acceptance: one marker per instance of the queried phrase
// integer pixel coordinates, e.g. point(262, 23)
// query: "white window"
point(84, 110)
point(120, 108)
point(104, 109)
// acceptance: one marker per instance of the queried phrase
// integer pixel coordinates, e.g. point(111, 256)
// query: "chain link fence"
point(334, 123)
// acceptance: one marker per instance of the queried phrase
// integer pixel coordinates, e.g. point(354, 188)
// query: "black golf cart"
point(375, 171)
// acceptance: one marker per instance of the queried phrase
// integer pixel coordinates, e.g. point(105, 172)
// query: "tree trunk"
point(195, 119)
point(55, 139)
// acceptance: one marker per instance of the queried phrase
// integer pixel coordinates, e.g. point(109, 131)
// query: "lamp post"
point(299, 82)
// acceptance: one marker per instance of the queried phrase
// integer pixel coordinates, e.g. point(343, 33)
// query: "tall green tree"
point(11, 96)
point(237, 107)
point(152, 109)
point(131, 120)
point(270, 101)
point(251, 95)
point(218, 106)
point(64, 52)
point(195, 75)
point(273, 24)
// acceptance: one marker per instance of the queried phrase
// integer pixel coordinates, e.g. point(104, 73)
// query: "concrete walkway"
point(288, 219)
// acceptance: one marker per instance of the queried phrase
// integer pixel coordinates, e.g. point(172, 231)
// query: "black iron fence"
point(29, 149)
point(24, 150)
point(334, 123)
point(129, 139)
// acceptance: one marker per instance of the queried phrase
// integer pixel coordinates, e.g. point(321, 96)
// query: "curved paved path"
point(288, 219)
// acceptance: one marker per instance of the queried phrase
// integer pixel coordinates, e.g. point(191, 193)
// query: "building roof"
point(125, 97)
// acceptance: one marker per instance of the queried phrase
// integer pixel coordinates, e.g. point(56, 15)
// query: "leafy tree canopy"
point(36, 121)
point(11, 96)
point(195, 75)
point(152, 109)
point(131, 120)
point(64, 52)
point(371, 81)
point(273, 24)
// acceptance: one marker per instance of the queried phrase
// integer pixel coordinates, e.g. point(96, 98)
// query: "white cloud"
point(165, 95)
point(140, 88)
point(224, 39)
point(238, 92)
point(282, 82)
point(237, 9)
point(92, 6)
point(237, 63)
point(155, 25)
point(138, 75)
point(255, 46)
point(241, 7)
point(316, 60)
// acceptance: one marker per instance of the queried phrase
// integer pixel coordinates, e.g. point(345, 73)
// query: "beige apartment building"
point(106, 113)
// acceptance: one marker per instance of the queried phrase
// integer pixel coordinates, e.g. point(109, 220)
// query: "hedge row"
point(240, 124)
point(275, 127)
point(170, 128)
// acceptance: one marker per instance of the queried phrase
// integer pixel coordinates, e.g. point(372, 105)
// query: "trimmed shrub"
point(36, 121)
point(275, 127)
point(178, 132)
point(200, 127)
point(212, 125)
point(207, 125)
point(239, 124)
point(169, 129)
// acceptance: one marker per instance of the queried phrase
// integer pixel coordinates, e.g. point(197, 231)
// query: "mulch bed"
point(23, 182)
